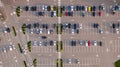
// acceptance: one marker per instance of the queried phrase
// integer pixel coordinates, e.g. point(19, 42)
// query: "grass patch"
point(24, 28)
point(117, 63)
point(57, 28)
point(57, 46)
point(35, 62)
point(29, 46)
point(61, 46)
point(57, 63)
point(20, 48)
point(61, 63)
point(25, 64)
point(18, 11)
point(14, 31)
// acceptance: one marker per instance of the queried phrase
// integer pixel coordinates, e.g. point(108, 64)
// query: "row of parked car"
point(86, 43)
point(64, 8)
point(72, 60)
point(44, 43)
point(9, 48)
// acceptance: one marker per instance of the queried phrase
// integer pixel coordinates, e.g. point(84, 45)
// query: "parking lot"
point(87, 30)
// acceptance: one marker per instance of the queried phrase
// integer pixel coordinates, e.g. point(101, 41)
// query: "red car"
point(66, 13)
point(89, 43)
point(99, 13)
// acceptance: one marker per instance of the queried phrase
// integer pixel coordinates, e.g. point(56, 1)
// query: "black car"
point(40, 13)
point(100, 43)
point(77, 8)
point(70, 13)
point(113, 25)
point(26, 8)
point(93, 8)
point(29, 26)
point(52, 13)
point(93, 13)
point(83, 8)
point(45, 26)
point(8, 29)
point(95, 25)
point(73, 43)
point(36, 25)
point(77, 31)
point(54, 25)
point(51, 43)
point(63, 8)
point(48, 8)
point(33, 8)
point(43, 37)
point(80, 8)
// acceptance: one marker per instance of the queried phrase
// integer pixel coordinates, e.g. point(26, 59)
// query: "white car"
point(80, 25)
point(117, 31)
point(40, 43)
point(86, 43)
point(72, 8)
point(43, 7)
point(55, 13)
point(86, 7)
point(10, 47)
point(95, 43)
point(72, 31)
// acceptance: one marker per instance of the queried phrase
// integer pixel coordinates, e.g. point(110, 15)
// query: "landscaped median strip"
point(57, 62)
point(61, 63)
point(57, 28)
point(18, 11)
point(59, 46)
point(35, 62)
point(29, 46)
point(14, 31)
point(20, 48)
point(25, 64)
point(23, 28)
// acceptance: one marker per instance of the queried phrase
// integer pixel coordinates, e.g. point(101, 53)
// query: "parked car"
point(81, 42)
point(69, 61)
point(99, 13)
point(4, 49)
point(26, 8)
point(100, 43)
point(101, 7)
point(43, 7)
point(55, 14)
point(95, 43)
point(72, 31)
point(73, 43)
point(95, 25)
point(45, 43)
point(43, 37)
point(10, 47)
point(93, 14)
point(51, 8)
point(89, 43)
point(100, 31)
point(86, 43)
point(35, 43)
point(33, 8)
point(51, 43)
point(89, 8)
point(76, 61)
point(48, 8)
point(93, 8)
point(69, 8)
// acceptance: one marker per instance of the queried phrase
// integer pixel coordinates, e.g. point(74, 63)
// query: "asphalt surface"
point(91, 56)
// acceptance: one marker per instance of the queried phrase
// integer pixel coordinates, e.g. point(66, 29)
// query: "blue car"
point(69, 8)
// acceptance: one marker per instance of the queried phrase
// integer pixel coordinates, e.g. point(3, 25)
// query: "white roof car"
point(72, 8)
point(10, 47)
point(117, 31)
point(72, 31)
point(40, 43)
point(54, 13)
point(86, 43)
point(43, 7)
point(95, 43)
point(86, 7)
point(4, 50)
point(80, 25)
